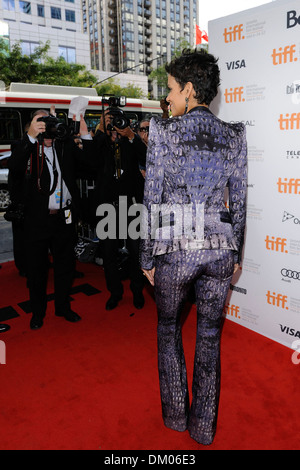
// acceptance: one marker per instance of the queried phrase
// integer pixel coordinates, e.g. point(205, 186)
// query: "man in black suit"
point(118, 153)
point(51, 199)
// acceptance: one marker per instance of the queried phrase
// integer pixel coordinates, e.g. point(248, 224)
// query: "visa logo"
point(236, 64)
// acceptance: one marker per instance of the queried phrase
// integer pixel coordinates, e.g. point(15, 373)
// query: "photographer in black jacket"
point(117, 154)
point(47, 168)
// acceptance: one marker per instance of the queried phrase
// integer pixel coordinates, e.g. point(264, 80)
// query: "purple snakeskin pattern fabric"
point(211, 272)
point(191, 159)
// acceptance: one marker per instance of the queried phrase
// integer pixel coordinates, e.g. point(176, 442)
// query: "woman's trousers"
point(210, 271)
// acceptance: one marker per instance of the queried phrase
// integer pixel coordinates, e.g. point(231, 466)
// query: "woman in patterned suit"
point(190, 237)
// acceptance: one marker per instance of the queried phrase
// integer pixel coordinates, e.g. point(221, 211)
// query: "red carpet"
point(93, 385)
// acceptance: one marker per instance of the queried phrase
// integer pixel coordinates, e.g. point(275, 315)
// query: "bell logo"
point(277, 300)
point(292, 19)
point(234, 95)
point(282, 56)
point(289, 122)
point(291, 186)
point(232, 310)
point(234, 33)
point(276, 244)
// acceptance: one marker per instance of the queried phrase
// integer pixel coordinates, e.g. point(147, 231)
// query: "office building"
point(135, 35)
point(59, 21)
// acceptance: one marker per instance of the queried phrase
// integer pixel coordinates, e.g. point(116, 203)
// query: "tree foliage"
point(159, 74)
point(109, 87)
point(39, 67)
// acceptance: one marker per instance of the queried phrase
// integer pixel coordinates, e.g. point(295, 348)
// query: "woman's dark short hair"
point(199, 68)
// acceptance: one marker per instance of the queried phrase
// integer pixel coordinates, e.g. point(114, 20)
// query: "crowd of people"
point(43, 173)
point(187, 160)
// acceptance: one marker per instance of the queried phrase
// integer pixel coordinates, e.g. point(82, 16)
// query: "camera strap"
point(40, 165)
point(118, 159)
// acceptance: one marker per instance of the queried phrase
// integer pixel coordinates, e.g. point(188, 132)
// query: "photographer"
point(119, 152)
point(46, 165)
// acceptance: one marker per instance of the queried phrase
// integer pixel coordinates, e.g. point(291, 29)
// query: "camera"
point(118, 117)
point(15, 213)
point(55, 129)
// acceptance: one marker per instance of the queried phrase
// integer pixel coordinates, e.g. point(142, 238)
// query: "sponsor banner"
point(259, 56)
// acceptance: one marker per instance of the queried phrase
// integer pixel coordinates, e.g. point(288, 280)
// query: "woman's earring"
point(186, 105)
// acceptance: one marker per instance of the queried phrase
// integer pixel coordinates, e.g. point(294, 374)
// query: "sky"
point(213, 9)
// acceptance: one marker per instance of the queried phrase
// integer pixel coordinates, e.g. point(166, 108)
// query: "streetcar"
point(22, 99)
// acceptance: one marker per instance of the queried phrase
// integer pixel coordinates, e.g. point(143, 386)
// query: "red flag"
point(198, 35)
point(205, 36)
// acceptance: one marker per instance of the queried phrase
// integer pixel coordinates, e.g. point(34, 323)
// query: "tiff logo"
point(291, 186)
point(232, 310)
point(233, 34)
point(277, 300)
point(289, 122)
point(276, 244)
point(234, 95)
point(283, 56)
point(2, 353)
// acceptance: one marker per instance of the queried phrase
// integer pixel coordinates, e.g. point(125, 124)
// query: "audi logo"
point(291, 274)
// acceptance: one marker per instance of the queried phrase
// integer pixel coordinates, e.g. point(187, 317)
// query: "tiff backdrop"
point(259, 57)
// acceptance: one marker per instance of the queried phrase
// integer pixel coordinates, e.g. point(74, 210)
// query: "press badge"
point(68, 216)
point(57, 195)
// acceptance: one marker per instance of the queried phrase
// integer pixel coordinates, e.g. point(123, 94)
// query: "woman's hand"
point(149, 273)
point(236, 267)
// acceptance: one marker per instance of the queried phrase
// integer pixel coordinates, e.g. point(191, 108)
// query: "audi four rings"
point(290, 273)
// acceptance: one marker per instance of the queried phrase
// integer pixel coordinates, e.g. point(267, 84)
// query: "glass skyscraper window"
point(25, 7)
point(56, 13)
point(28, 47)
point(68, 53)
point(41, 10)
point(8, 5)
point(70, 15)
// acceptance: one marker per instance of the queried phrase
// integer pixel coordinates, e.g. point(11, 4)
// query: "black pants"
point(59, 238)
point(112, 272)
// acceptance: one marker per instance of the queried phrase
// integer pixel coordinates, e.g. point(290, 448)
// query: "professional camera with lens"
point(118, 117)
point(54, 128)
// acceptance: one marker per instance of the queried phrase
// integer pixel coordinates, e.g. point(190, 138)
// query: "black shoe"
point(4, 328)
point(138, 300)
point(113, 302)
point(69, 316)
point(36, 323)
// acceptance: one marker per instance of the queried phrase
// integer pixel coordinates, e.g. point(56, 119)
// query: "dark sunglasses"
point(144, 129)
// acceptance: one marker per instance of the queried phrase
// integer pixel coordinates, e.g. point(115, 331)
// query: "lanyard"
point(118, 159)
point(40, 166)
